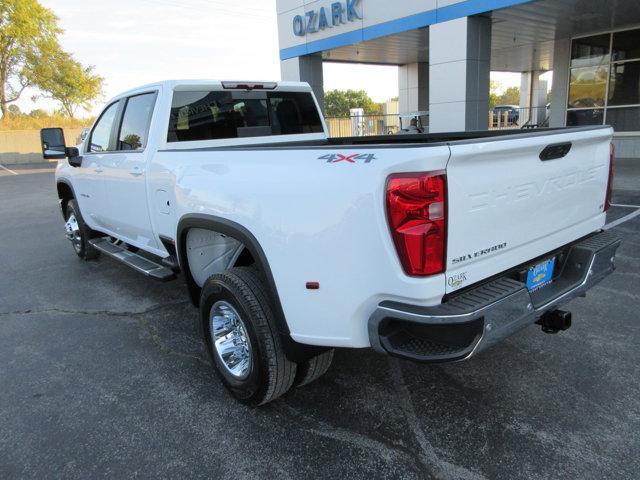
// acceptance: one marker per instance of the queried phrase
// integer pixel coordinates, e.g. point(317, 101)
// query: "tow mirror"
point(53, 146)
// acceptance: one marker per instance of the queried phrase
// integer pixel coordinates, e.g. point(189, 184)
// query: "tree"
point(28, 36)
point(337, 103)
point(38, 113)
point(14, 111)
point(493, 93)
point(511, 96)
point(67, 81)
point(132, 141)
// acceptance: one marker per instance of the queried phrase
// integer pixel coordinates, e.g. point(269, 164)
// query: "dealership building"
point(446, 49)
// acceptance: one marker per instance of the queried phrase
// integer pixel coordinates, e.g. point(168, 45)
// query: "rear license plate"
point(541, 274)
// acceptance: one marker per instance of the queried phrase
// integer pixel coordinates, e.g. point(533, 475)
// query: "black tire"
point(313, 369)
point(82, 246)
point(270, 374)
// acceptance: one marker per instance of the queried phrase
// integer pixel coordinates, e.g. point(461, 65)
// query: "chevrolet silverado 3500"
point(427, 247)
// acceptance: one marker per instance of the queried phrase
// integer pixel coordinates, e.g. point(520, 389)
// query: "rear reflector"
point(607, 201)
point(416, 210)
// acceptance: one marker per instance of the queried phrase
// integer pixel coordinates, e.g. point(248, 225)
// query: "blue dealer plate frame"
point(541, 274)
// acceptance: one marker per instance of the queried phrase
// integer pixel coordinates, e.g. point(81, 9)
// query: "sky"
point(133, 42)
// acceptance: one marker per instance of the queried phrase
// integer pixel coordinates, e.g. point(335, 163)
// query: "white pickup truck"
point(427, 247)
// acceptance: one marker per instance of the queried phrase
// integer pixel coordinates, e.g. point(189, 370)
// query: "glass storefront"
point(604, 85)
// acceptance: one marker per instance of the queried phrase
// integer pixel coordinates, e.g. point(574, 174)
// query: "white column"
point(459, 67)
point(525, 92)
point(560, 88)
point(533, 98)
point(413, 86)
point(539, 89)
point(307, 68)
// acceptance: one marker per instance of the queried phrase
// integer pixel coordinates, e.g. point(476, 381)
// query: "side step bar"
point(135, 261)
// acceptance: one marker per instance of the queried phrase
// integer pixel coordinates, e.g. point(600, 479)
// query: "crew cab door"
point(125, 173)
point(88, 179)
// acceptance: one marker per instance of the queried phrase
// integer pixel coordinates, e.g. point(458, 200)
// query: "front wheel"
point(78, 232)
point(241, 337)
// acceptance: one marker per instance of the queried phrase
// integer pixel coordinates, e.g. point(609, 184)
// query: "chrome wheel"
point(73, 232)
point(230, 339)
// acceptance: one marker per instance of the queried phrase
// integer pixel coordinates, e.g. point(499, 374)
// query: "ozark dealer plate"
point(541, 274)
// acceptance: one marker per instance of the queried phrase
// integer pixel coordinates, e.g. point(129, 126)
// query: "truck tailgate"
point(507, 206)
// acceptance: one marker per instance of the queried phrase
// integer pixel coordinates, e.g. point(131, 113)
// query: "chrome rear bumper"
point(483, 316)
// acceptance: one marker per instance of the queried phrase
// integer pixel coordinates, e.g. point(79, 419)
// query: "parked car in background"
point(414, 122)
point(429, 247)
point(512, 114)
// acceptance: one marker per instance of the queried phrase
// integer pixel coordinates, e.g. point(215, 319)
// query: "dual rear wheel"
point(243, 341)
point(239, 326)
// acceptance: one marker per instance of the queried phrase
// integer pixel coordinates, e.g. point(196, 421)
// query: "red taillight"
point(607, 201)
point(416, 207)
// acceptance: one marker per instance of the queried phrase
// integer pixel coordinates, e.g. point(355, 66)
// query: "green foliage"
point(337, 103)
point(493, 96)
point(38, 113)
point(67, 81)
point(37, 119)
point(14, 111)
point(28, 34)
point(133, 141)
point(511, 96)
point(31, 56)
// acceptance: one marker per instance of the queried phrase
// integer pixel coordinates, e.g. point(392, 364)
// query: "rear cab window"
point(220, 114)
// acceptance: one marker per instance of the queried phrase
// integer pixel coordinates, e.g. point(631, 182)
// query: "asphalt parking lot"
point(102, 374)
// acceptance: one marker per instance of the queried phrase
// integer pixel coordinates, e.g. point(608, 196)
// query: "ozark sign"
point(338, 13)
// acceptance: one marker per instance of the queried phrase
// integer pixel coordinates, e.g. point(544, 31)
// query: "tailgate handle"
point(555, 151)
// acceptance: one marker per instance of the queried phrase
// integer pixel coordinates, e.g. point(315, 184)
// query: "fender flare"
point(66, 182)
point(295, 351)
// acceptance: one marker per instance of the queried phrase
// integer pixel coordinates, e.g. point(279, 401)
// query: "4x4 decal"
point(354, 158)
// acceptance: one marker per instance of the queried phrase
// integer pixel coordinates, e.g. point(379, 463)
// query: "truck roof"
point(211, 83)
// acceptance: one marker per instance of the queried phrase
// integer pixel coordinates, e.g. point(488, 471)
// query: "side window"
point(99, 141)
point(135, 122)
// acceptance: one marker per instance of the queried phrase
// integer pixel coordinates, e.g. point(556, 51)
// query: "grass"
point(26, 122)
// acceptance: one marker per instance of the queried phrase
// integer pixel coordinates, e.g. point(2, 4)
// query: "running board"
point(137, 262)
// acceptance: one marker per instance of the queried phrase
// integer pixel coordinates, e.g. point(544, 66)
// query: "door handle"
point(98, 170)
point(136, 171)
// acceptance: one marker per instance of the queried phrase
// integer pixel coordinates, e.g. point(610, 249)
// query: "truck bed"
point(381, 141)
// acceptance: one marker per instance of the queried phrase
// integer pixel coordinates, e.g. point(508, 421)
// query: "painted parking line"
point(8, 170)
point(622, 220)
point(624, 206)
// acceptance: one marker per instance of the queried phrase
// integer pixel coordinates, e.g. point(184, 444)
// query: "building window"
point(624, 119)
point(588, 87)
point(626, 45)
point(590, 51)
point(576, 118)
point(604, 85)
point(624, 85)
